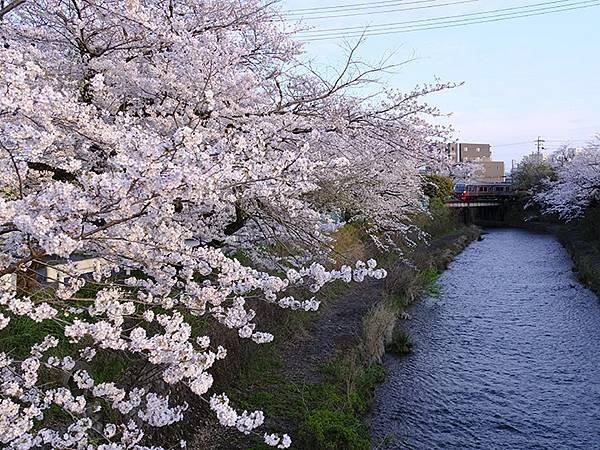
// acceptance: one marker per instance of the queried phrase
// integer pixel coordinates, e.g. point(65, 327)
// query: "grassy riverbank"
point(581, 238)
point(316, 380)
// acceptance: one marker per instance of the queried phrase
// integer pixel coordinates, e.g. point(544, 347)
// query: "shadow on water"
point(508, 356)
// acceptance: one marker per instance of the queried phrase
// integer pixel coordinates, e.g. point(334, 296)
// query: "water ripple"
point(506, 358)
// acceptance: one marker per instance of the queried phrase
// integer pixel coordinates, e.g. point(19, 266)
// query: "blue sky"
point(523, 78)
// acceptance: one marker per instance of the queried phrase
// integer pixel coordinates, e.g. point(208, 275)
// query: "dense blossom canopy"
point(577, 184)
point(161, 137)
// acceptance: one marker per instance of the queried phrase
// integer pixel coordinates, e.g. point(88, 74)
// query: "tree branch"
point(4, 10)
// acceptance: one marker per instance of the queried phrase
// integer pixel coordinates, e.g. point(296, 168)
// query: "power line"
point(468, 18)
point(513, 143)
point(442, 25)
point(354, 7)
point(322, 38)
point(535, 141)
point(369, 13)
point(516, 9)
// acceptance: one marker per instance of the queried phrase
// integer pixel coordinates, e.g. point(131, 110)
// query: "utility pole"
point(540, 145)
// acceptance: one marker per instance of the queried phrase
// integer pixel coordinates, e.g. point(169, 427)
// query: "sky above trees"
point(529, 77)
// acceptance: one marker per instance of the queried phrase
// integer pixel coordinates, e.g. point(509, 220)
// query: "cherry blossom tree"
point(160, 137)
point(386, 146)
point(578, 183)
point(466, 171)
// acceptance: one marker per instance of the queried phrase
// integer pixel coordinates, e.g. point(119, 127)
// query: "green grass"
point(333, 430)
point(334, 290)
point(334, 409)
point(326, 415)
point(22, 333)
point(54, 415)
point(400, 302)
point(428, 278)
point(439, 221)
point(368, 380)
point(108, 366)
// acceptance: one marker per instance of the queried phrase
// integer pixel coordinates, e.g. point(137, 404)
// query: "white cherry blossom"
point(163, 140)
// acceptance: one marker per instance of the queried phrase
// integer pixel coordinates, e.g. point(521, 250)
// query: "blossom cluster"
point(161, 140)
point(577, 183)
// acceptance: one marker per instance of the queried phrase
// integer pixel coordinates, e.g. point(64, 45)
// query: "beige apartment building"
point(475, 152)
point(493, 171)
point(480, 154)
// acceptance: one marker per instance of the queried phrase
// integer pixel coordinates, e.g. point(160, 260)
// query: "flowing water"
point(507, 357)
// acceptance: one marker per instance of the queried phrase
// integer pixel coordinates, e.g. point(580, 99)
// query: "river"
point(507, 356)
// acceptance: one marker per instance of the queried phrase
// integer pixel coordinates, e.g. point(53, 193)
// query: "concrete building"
point(475, 152)
point(480, 154)
point(493, 171)
point(453, 152)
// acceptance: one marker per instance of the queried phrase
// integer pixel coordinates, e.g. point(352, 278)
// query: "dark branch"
point(240, 220)
point(4, 10)
point(58, 174)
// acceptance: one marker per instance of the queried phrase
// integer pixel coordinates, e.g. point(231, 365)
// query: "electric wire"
point(556, 141)
point(516, 9)
point(451, 24)
point(355, 7)
point(369, 13)
point(513, 143)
